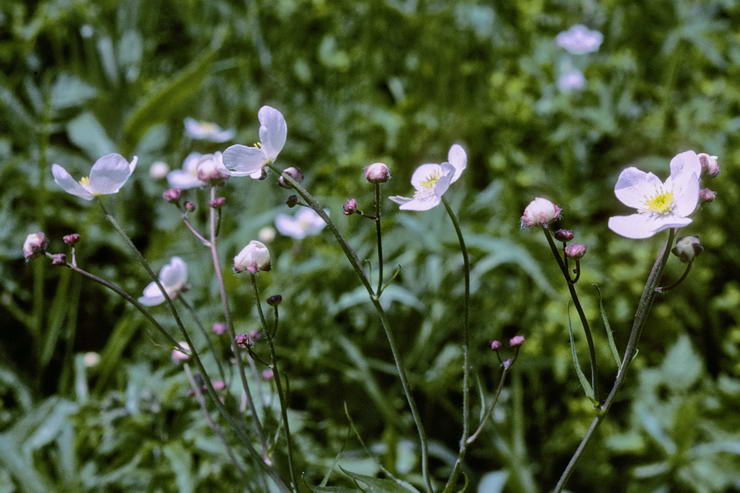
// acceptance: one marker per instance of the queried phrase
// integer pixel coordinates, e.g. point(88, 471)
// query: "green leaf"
point(681, 367)
point(182, 466)
point(69, 91)
point(493, 482)
point(581, 376)
point(89, 135)
point(377, 485)
point(59, 309)
point(608, 328)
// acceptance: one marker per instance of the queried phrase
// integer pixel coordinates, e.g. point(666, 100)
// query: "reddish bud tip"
point(495, 345)
point(564, 235)
point(516, 341)
point(349, 207)
point(217, 203)
point(71, 239)
point(707, 195)
point(189, 206)
point(275, 300)
point(172, 195)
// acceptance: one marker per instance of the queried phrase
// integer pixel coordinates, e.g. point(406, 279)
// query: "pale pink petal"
point(457, 158)
point(183, 180)
point(109, 174)
point(152, 295)
point(638, 226)
point(288, 226)
point(69, 184)
point(175, 274)
point(425, 173)
point(686, 196)
point(684, 165)
point(421, 204)
point(634, 187)
point(448, 173)
point(244, 161)
point(273, 131)
point(398, 199)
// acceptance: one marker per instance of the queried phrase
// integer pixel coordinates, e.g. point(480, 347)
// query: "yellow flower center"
point(208, 127)
point(661, 203)
point(428, 185)
point(85, 181)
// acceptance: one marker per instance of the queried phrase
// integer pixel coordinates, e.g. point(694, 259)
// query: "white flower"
point(249, 161)
point(253, 258)
point(206, 131)
point(158, 170)
point(431, 181)
point(187, 177)
point(579, 40)
point(173, 277)
point(306, 222)
point(540, 212)
point(572, 80)
point(660, 205)
point(177, 355)
point(107, 176)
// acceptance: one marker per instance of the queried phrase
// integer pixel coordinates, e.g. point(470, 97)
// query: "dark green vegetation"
point(395, 81)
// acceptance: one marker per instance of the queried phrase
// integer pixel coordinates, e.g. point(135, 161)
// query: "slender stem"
point(685, 274)
point(466, 349)
point(193, 229)
point(577, 271)
point(205, 333)
point(579, 309)
point(493, 403)
point(379, 236)
point(213, 221)
point(643, 311)
point(214, 426)
point(352, 257)
point(237, 427)
point(278, 383)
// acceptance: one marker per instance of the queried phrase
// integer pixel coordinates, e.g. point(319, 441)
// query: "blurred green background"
point(397, 81)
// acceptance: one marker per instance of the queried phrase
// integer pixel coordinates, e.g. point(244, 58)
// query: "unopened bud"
point(707, 195)
point(687, 248)
point(179, 356)
point(377, 173)
point(293, 172)
point(211, 169)
point(71, 239)
point(34, 245)
point(218, 328)
point(189, 206)
point(540, 212)
point(709, 164)
point(254, 257)
point(564, 235)
point(292, 201)
point(267, 374)
point(172, 194)
point(575, 250)
point(58, 259)
point(217, 202)
point(495, 345)
point(275, 300)
point(507, 363)
point(516, 341)
point(242, 340)
point(255, 335)
point(349, 207)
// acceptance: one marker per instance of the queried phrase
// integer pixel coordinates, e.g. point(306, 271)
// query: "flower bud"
point(217, 202)
point(58, 259)
point(211, 170)
point(218, 385)
point(253, 258)
point(172, 195)
point(540, 212)
point(266, 234)
point(516, 341)
point(292, 172)
point(178, 356)
point(687, 248)
point(349, 207)
point(275, 300)
point(377, 173)
point(267, 374)
point(709, 164)
point(218, 328)
point(707, 195)
point(243, 340)
point(495, 345)
point(34, 245)
point(158, 170)
point(564, 235)
point(575, 250)
point(292, 201)
point(71, 239)
point(255, 335)
point(189, 206)
point(507, 363)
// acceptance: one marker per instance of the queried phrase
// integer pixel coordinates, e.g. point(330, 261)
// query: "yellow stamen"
point(430, 181)
point(661, 203)
point(85, 181)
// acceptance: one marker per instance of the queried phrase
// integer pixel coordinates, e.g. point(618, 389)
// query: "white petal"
point(457, 158)
point(683, 165)
point(223, 135)
point(686, 195)
point(175, 274)
point(423, 173)
point(288, 226)
point(183, 180)
point(444, 183)
point(132, 164)
point(152, 295)
point(190, 164)
point(109, 174)
point(398, 199)
point(634, 187)
point(69, 184)
point(273, 131)
point(638, 226)
point(244, 161)
point(421, 204)
point(193, 128)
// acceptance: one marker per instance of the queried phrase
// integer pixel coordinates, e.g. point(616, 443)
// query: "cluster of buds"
point(515, 343)
point(540, 212)
point(294, 173)
point(687, 248)
point(254, 257)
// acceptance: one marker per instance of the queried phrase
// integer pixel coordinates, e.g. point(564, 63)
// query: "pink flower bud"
point(34, 245)
point(217, 203)
point(71, 239)
point(268, 374)
point(495, 345)
point(255, 335)
point(564, 235)
point(349, 207)
point(243, 340)
point(218, 328)
point(709, 164)
point(293, 172)
point(211, 169)
point(575, 250)
point(172, 194)
point(219, 384)
point(189, 206)
point(507, 363)
point(377, 173)
point(516, 341)
point(179, 356)
point(540, 212)
point(707, 195)
point(58, 259)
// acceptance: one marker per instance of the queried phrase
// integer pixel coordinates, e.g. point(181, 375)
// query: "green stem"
point(678, 281)
point(643, 311)
point(379, 236)
point(236, 426)
point(278, 383)
point(579, 309)
point(466, 350)
point(203, 331)
point(352, 257)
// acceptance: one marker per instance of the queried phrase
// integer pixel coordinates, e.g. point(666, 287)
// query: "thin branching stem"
point(205, 334)
point(466, 349)
point(492, 405)
point(678, 281)
point(579, 309)
point(278, 383)
point(356, 265)
point(641, 315)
